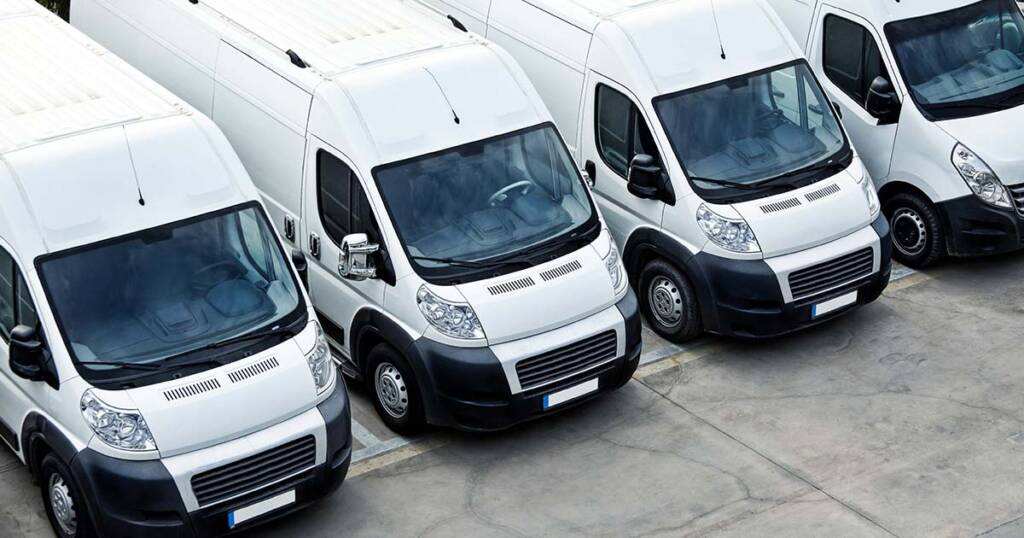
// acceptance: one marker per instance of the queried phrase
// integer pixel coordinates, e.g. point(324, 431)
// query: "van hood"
point(809, 217)
point(542, 298)
point(995, 138)
point(227, 403)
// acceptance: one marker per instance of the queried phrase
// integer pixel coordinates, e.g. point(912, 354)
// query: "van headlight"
point(120, 428)
point(613, 262)
point(874, 204)
point(733, 235)
point(321, 365)
point(980, 178)
point(457, 320)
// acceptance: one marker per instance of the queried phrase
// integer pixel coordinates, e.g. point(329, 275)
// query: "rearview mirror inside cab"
point(648, 181)
point(356, 259)
point(882, 101)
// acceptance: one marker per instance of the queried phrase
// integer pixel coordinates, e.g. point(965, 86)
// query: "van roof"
point(332, 40)
point(59, 83)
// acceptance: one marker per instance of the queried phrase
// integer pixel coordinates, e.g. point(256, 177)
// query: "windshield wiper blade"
point(474, 265)
point(125, 365)
point(725, 183)
point(259, 335)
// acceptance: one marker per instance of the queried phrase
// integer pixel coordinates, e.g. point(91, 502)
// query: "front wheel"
point(669, 302)
point(394, 391)
point(917, 233)
point(64, 502)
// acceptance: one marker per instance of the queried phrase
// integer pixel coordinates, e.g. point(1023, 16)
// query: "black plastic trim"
point(975, 228)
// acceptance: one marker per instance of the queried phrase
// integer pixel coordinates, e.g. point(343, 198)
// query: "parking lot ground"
point(905, 418)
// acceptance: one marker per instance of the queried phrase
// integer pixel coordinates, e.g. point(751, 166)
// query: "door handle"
point(314, 245)
point(591, 171)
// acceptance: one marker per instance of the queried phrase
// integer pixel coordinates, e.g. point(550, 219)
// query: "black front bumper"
point(128, 499)
point(743, 298)
point(974, 228)
point(467, 388)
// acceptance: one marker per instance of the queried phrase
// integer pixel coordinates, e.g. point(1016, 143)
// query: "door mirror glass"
point(301, 266)
point(882, 101)
point(647, 179)
point(356, 261)
point(26, 353)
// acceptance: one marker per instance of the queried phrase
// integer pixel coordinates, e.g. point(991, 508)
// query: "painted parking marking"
point(659, 355)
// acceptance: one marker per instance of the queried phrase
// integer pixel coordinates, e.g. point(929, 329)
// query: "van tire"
point(669, 302)
point(395, 393)
point(57, 485)
point(919, 240)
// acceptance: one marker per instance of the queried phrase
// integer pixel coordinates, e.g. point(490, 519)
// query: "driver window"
point(343, 205)
point(16, 307)
point(852, 58)
point(622, 132)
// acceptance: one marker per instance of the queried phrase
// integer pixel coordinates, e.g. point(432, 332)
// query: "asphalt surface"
point(904, 418)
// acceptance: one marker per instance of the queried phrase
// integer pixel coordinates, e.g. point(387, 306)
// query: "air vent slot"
point(509, 287)
point(781, 206)
point(559, 272)
point(823, 193)
point(253, 370)
point(192, 389)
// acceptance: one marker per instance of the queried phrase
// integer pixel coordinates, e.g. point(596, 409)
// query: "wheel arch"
point(647, 244)
point(370, 328)
point(40, 436)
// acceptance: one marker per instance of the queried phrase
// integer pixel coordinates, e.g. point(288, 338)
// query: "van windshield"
point(746, 136)
point(160, 296)
point(964, 62)
point(470, 209)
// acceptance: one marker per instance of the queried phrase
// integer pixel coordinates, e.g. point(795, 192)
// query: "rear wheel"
point(917, 233)
point(669, 302)
point(64, 502)
point(394, 391)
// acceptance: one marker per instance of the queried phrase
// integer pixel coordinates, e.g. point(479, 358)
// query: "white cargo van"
point(931, 92)
point(718, 163)
point(156, 348)
point(457, 260)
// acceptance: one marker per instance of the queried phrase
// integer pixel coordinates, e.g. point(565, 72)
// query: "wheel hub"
point(909, 231)
point(666, 302)
point(63, 504)
point(392, 390)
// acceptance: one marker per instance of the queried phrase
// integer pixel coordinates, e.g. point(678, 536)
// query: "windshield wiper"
point(259, 335)
point(730, 184)
point(474, 265)
point(125, 365)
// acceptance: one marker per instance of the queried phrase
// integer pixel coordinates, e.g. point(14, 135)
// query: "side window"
point(16, 306)
point(253, 241)
point(851, 57)
point(344, 207)
point(6, 294)
point(622, 132)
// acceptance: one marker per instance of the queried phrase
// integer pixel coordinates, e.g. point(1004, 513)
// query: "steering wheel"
point(215, 273)
point(524, 187)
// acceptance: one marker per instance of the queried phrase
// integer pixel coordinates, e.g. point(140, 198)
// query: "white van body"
point(416, 124)
point(945, 154)
point(139, 343)
point(792, 269)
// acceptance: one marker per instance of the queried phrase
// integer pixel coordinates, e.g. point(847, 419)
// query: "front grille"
point(831, 274)
point(254, 472)
point(1018, 196)
point(567, 361)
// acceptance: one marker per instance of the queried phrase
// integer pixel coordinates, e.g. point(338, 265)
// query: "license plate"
point(254, 511)
point(838, 303)
point(563, 396)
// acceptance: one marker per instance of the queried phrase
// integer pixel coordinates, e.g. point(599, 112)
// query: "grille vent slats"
point(823, 277)
point(1017, 192)
point(559, 272)
point(822, 193)
point(509, 287)
point(781, 206)
point(253, 370)
point(193, 389)
point(250, 474)
point(567, 361)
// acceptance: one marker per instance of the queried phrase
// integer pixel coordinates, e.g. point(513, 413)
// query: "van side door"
point(16, 308)
point(845, 49)
point(335, 206)
point(615, 130)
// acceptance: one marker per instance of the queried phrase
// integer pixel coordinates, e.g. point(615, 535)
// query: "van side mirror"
point(356, 259)
point(26, 354)
point(882, 101)
point(648, 181)
point(302, 266)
